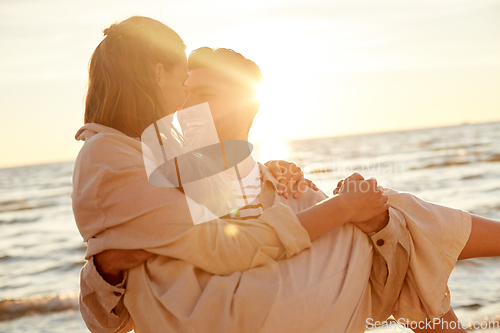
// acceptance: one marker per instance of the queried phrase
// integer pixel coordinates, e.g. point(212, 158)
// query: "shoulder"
point(104, 153)
point(113, 150)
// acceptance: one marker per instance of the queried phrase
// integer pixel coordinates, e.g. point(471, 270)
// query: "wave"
point(15, 308)
point(19, 220)
point(493, 158)
point(473, 306)
point(443, 164)
point(468, 177)
point(18, 205)
point(62, 268)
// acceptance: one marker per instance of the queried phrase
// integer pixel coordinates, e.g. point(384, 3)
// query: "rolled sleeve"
point(386, 240)
point(290, 231)
point(390, 262)
point(430, 238)
point(101, 304)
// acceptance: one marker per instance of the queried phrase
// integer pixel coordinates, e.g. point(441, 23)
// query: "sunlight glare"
point(272, 150)
point(231, 230)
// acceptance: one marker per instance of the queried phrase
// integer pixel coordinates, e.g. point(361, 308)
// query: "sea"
point(41, 251)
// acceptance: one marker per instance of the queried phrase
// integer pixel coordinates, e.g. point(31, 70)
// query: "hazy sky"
point(331, 67)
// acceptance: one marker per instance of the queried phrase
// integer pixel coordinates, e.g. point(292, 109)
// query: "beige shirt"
point(206, 276)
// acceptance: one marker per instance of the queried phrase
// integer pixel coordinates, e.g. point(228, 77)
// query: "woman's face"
point(171, 83)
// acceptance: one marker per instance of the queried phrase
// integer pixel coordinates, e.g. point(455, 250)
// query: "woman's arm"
point(130, 213)
point(357, 201)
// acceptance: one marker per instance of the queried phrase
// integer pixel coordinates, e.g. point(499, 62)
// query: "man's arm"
point(101, 304)
point(102, 281)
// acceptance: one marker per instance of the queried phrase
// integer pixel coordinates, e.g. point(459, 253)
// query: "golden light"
point(231, 230)
point(272, 149)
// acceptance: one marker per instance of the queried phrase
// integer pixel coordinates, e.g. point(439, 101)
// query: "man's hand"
point(111, 263)
point(363, 199)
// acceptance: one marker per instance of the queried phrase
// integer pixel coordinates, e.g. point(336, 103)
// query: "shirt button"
point(116, 293)
point(380, 242)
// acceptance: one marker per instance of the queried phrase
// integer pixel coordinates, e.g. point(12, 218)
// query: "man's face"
point(207, 85)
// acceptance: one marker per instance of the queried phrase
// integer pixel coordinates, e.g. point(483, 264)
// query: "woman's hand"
point(290, 178)
point(363, 198)
point(111, 263)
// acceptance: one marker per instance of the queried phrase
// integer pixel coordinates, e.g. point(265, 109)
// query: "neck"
point(239, 135)
point(245, 166)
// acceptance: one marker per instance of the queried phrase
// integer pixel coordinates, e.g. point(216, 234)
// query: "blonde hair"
point(123, 91)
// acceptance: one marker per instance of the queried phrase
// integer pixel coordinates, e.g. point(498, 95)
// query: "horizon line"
point(258, 142)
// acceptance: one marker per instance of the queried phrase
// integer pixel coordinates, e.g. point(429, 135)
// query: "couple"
point(307, 264)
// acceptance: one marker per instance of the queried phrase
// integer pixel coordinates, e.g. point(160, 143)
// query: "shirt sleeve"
point(391, 253)
point(387, 240)
point(101, 304)
point(133, 214)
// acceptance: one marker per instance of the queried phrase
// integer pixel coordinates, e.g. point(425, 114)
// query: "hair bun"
point(111, 30)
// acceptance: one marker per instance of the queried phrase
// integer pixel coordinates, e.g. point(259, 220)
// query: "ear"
point(160, 73)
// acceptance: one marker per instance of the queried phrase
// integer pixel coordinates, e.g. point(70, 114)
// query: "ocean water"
point(41, 251)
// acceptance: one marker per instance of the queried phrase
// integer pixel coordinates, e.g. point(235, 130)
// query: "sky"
point(330, 67)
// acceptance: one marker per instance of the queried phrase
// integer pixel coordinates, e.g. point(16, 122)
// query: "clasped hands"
point(364, 199)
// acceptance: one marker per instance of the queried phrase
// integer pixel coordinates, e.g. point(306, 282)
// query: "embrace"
point(161, 260)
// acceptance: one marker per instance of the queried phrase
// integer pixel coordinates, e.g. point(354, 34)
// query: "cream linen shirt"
point(204, 280)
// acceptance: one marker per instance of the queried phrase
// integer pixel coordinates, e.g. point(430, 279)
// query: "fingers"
point(373, 184)
point(363, 186)
point(355, 176)
point(384, 203)
point(339, 186)
point(300, 187)
point(289, 177)
point(384, 198)
point(274, 167)
point(311, 184)
point(294, 173)
point(369, 185)
point(368, 188)
point(283, 180)
point(268, 163)
point(280, 173)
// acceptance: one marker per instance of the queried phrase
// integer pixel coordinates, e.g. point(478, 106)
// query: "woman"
point(136, 77)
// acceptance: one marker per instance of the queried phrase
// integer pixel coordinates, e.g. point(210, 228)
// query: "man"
point(226, 80)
